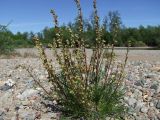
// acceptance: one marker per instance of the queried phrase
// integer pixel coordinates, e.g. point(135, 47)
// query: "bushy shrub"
point(86, 87)
point(6, 44)
point(158, 42)
point(140, 44)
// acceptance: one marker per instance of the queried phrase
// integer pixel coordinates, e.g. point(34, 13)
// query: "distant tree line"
point(112, 29)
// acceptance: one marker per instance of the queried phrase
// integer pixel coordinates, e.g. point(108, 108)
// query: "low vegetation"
point(6, 46)
point(84, 87)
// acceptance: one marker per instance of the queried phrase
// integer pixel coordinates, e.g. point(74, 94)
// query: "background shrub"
point(6, 43)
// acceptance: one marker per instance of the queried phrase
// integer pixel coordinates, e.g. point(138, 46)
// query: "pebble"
point(1, 118)
point(151, 104)
point(7, 85)
point(144, 109)
point(138, 105)
point(151, 75)
point(139, 83)
point(158, 116)
point(158, 104)
point(151, 114)
point(2, 113)
point(28, 116)
point(28, 93)
point(131, 101)
point(154, 86)
point(10, 82)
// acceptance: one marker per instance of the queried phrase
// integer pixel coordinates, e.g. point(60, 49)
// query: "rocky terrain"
point(22, 99)
point(143, 90)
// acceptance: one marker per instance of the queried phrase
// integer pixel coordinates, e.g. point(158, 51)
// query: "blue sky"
point(34, 15)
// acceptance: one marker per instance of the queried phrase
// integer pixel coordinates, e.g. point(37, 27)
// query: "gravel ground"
point(20, 97)
point(135, 55)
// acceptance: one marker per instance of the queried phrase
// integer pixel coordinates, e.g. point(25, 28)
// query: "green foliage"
point(135, 43)
point(6, 46)
point(10, 41)
point(111, 33)
point(140, 37)
point(23, 40)
point(86, 87)
point(158, 42)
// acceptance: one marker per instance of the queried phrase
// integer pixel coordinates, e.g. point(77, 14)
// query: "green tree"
point(6, 46)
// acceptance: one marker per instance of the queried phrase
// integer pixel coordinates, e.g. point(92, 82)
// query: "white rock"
point(27, 93)
point(144, 109)
point(41, 77)
point(55, 102)
point(131, 101)
point(139, 105)
point(151, 104)
point(10, 82)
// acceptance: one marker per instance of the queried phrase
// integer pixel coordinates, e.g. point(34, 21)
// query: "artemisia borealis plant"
point(86, 87)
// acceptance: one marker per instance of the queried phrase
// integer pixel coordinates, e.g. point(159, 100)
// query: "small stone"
point(58, 115)
point(5, 87)
point(138, 87)
point(10, 82)
point(38, 115)
point(154, 86)
point(107, 118)
point(2, 113)
point(26, 103)
point(17, 108)
point(130, 77)
point(143, 81)
point(131, 110)
point(126, 99)
point(6, 109)
point(130, 117)
point(151, 114)
point(1, 118)
point(145, 98)
point(151, 104)
point(150, 75)
point(33, 98)
point(152, 92)
point(49, 116)
point(158, 104)
point(129, 93)
point(42, 77)
point(30, 83)
point(158, 96)
point(156, 69)
point(139, 105)
point(158, 116)
point(137, 94)
point(158, 89)
point(28, 93)
point(142, 116)
point(131, 101)
point(134, 114)
point(14, 118)
point(55, 102)
point(27, 116)
point(144, 109)
point(139, 83)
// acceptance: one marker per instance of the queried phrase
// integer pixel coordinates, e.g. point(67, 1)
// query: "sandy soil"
point(143, 55)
